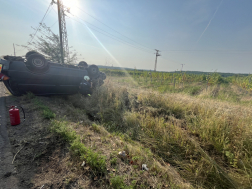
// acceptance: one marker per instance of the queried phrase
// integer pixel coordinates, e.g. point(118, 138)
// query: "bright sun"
point(73, 5)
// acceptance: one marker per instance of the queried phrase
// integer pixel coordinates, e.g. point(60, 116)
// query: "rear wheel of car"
point(93, 71)
point(37, 62)
point(30, 53)
point(83, 65)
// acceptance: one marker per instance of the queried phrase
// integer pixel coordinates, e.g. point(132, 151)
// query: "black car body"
point(54, 79)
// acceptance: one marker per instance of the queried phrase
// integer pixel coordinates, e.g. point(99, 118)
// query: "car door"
point(28, 81)
point(69, 79)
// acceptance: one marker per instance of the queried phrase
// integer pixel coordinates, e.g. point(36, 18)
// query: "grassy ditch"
point(95, 160)
point(208, 142)
point(94, 145)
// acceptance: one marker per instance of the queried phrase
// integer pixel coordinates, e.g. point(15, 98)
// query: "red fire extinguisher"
point(14, 115)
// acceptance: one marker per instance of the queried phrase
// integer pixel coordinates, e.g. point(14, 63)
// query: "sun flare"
point(72, 5)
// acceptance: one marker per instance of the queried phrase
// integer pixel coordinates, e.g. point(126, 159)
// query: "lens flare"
point(92, 33)
point(72, 6)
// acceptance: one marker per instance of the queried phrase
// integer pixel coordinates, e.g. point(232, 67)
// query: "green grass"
point(117, 182)
point(113, 161)
point(62, 129)
point(96, 161)
point(47, 113)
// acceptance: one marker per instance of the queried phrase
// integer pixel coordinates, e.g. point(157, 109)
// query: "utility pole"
point(182, 67)
point(60, 31)
point(157, 54)
point(14, 50)
point(64, 30)
point(64, 50)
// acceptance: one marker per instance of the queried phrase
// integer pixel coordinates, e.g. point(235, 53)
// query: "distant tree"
point(48, 44)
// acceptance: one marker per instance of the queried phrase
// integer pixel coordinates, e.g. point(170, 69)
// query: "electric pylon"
point(62, 30)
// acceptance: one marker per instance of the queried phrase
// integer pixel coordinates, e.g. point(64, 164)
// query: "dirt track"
point(7, 170)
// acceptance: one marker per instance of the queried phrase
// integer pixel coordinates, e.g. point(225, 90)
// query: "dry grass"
point(207, 140)
point(221, 92)
point(74, 126)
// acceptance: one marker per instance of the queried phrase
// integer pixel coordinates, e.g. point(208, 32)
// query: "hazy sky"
point(205, 35)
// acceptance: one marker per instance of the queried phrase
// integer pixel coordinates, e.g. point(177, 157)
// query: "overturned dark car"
point(34, 73)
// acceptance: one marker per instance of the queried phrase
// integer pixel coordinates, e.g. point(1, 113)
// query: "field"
point(227, 87)
point(191, 131)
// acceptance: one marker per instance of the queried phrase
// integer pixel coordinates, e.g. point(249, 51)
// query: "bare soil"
point(40, 158)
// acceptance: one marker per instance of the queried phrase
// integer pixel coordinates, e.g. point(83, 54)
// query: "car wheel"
point(83, 65)
point(30, 53)
point(93, 71)
point(37, 62)
point(103, 75)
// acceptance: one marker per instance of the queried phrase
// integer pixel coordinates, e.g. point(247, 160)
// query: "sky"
point(203, 35)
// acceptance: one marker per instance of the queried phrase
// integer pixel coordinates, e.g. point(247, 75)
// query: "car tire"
point(83, 65)
point(103, 75)
point(30, 53)
point(37, 62)
point(93, 71)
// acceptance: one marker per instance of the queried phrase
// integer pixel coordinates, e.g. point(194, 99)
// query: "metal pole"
point(14, 50)
point(60, 31)
point(155, 68)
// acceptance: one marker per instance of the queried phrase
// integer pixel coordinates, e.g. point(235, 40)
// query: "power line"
point(224, 51)
point(40, 22)
point(107, 33)
point(114, 29)
point(170, 60)
point(115, 37)
point(54, 23)
point(48, 12)
point(112, 36)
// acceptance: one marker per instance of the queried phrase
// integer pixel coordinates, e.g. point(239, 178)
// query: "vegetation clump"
point(94, 160)
point(205, 141)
